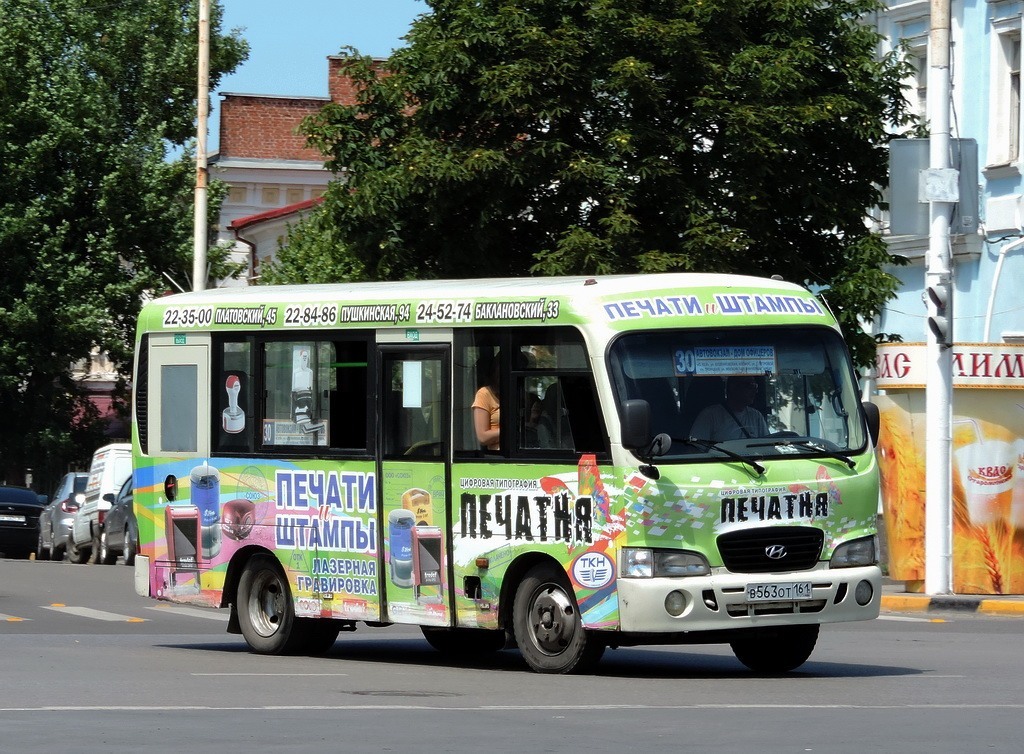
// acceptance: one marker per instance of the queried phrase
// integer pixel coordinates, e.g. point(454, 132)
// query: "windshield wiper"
point(809, 445)
point(711, 445)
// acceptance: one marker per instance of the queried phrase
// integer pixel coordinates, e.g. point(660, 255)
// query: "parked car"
point(111, 466)
point(120, 534)
point(19, 521)
point(56, 518)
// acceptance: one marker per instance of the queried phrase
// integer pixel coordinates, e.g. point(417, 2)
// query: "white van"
point(111, 466)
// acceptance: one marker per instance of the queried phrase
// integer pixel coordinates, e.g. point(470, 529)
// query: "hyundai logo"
point(775, 552)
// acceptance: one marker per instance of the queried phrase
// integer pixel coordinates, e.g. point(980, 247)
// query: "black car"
point(120, 534)
point(19, 521)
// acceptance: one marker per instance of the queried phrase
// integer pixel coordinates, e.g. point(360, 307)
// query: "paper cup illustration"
point(986, 473)
point(1017, 499)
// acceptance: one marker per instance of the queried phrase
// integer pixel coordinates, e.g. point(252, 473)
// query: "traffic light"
point(940, 317)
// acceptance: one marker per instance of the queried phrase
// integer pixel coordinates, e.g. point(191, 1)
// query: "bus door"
point(415, 436)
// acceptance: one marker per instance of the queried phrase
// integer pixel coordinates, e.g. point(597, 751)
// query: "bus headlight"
point(645, 563)
point(859, 552)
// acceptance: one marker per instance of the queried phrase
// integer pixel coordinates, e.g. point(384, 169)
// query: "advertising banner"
point(988, 465)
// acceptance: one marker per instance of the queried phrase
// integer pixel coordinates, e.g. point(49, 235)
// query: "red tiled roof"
point(273, 214)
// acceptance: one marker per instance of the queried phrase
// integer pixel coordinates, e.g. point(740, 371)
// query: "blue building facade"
point(984, 106)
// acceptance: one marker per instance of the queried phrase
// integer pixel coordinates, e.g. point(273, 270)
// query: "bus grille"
point(795, 548)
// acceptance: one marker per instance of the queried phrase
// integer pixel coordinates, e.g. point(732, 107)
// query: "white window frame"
point(1004, 137)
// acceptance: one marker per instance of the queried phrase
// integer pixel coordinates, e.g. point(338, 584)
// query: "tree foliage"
point(97, 118)
point(517, 137)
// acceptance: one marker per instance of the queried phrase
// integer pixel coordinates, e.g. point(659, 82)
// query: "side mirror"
point(636, 424)
point(109, 497)
point(873, 419)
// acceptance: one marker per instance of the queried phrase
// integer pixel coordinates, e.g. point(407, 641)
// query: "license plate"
point(9, 519)
point(779, 592)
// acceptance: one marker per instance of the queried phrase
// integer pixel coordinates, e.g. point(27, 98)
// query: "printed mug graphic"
point(986, 472)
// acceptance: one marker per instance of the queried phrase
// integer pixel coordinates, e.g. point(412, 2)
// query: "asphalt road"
point(87, 665)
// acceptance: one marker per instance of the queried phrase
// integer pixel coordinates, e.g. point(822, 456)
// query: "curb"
point(912, 603)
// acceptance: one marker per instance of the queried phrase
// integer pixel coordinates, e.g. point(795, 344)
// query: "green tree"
point(97, 123)
point(516, 137)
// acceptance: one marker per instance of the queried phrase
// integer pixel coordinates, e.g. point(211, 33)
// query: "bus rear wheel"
point(777, 650)
point(266, 614)
point(548, 626)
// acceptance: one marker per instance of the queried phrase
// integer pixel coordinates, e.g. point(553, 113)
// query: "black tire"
point(317, 636)
point(104, 554)
point(462, 642)
point(776, 651)
point(266, 613)
point(130, 546)
point(548, 626)
point(42, 553)
point(56, 553)
point(75, 553)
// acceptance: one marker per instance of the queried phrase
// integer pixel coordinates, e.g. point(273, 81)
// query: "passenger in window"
point(487, 401)
point(734, 418)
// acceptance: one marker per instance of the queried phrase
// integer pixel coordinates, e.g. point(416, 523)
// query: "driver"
point(734, 418)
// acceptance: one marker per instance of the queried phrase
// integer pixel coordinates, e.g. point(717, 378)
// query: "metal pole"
point(199, 236)
point(938, 283)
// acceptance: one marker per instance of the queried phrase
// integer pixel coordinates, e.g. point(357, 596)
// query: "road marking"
point(278, 675)
point(504, 708)
point(195, 612)
point(87, 612)
point(910, 619)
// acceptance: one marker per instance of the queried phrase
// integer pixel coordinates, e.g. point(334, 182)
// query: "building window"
point(294, 196)
point(1004, 107)
point(271, 196)
point(238, 195)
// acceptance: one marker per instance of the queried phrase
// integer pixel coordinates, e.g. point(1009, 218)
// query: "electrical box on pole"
point(908, 207)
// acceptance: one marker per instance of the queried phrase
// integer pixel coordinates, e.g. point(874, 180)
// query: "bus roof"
point(589, 286)
point(615, 301)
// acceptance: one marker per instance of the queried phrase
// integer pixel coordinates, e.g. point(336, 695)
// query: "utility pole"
point(199, 236)
point(939, 187)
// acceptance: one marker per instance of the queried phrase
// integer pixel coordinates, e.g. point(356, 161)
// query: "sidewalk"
point(895, 599)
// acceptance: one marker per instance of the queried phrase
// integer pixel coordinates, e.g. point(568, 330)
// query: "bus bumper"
point(719, 601)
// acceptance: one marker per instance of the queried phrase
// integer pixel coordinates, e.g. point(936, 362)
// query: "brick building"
point(273, 177)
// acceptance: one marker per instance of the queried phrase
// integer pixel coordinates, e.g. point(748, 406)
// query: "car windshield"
point(763, 392)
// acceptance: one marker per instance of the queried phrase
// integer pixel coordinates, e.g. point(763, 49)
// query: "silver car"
point(55, 520)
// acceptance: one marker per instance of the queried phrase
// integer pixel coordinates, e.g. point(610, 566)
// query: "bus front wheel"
point(777, 651)
point(266, 614)
point(548, 626)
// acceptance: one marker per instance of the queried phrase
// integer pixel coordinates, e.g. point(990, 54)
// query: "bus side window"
point(349, 388)
point(233, 399)
point(297, 401)
point(478, 363)
point(555, 398)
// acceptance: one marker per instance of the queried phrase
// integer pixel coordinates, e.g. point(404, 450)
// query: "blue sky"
point(289, 43)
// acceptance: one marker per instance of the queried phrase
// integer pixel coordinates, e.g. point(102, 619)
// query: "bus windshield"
point(759, 392)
